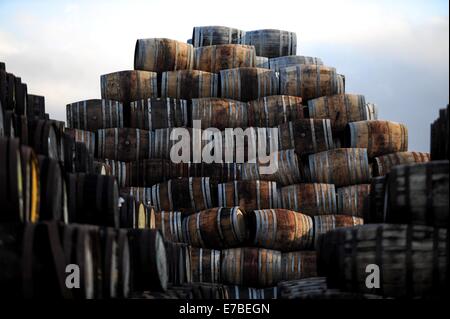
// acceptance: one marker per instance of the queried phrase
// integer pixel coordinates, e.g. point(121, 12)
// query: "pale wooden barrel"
point(354, 200)
point(213, 35)
point(382, 165)
point(205, 265)
point(215, 58)
point(189, 84)
point(270, 111)
point(271, 43)
point(282, 62)
point(298, 265)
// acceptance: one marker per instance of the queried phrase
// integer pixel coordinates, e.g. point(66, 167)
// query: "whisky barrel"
point(251, 267)
point(124, 144)
point(179, 263)
point(132, 213)
point(11, 181)
point(8, 88)
point(148, 260)
point(219, 113)
point(122, 171)
point(247, 83)
point(418, 194)
point(110, 261)
point(178, 144)
point(205, 265)
point(270, 111)
point(249, 195)
point(35, 106)
point(69, 153)
point(262, 62)
point(341, 109)
point(383, 164)
point(128, 86)
point(214, 58)
point(439, 136)
point(123, 263)
point(306, 136)
point(354, 200)
point(377, 200)
point(282, 62)
point(216, 228)
point(9, 124)
point(147, 173)
point(170, 225)
point(189, 84)
point(43, 138)
point(85, 137)
point(11, 235)
point(310, 198)
point(161, 54)
point(298, 265)
point(214, 35)
point(379, 137)
point(30, 184)
point(21, 95)
point(156, 113)
point(412, 259)
point(94, 114)
point(271, 43)
point(20, 123)
point(188, 195)
point(341, 166)
point(310, 81)
point(280, 229)
point(142, 194)
point(52, 190)
point(84, 162)
point(326, 223)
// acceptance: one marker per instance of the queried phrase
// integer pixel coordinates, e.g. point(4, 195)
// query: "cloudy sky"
point(394, 52)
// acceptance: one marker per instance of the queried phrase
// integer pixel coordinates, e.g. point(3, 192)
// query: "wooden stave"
point(214, 58)
point(291, 60)
point(189, 84)
point(298, 265)
point(215, 35)
point(200, 257)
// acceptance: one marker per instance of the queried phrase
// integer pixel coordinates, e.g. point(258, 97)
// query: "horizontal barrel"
point(271, 43)
point(354, 200)
point(133, 213)
point(298, 265)
point(282, 62)
point(270, 111)
point(53, 196)
point(326, 223)
point(189, 84)
point(121, 171)
point(214, 58)
point(170, 225)
point(377, 200)
point(91, 115)
point(205, 265)
point(43, 138)
point(179, 263)
point(382, 165)
point(213, 35)
point(379, 137)
point(35, 106)
point(85, 137)
point(161, 54)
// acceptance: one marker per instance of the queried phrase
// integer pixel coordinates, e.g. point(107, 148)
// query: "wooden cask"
point(271, 43)
point(251, 267)
point(216, 228)
point(11, 243)
point(189, 84)
point(142, 194)
point(110, 263)
point(124, 144)
point(439, 136)
point(379, 137)
point(148, 260)
point(262, 62)
point(20, 124)
point(281, 229)
point(326, 223)
point(205, 265)
point(161, 54)
point(341, 166)
point(122, 171)
point(306, 136)
point(83, 158)
point(30, 184)
point(341, 109)
point(101, 168)
point(282, 62)
point(149, 172)
point(188, 195)
point(247, 84)
point(214, 35)
point(270, 111)
point(129, 86)
point(354, 200)
point(214, 58)
point(179, 263)
point(170, 225)
point(377, 200)
point(412, 259)
point(95, 114)
point(298, 265)
point(35, 106)
point(166, 138)
point(52, 201)
point(418, 194)
point(310, 198)
point(310, 81)
point(85, 137)
point(156, 113)
point(132, 213)
point(249, 195)
point(20, 98)
point(43, 138)
point(382, 165)
point(123, 263)
point(219, 113)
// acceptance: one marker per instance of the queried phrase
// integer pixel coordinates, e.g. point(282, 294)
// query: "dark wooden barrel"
point(262, 62)
point(142, 194)
point(43, 138)
point(214, 58)
point(109, 261)
point(123, 264)
point(179, 263)
point(310, 81)
point(69, 153)
point(132, 213)
point(377, 200)
point(122, 171)
point(216, 228)
point(412, 259)
point(270, 111)
point(341, 166)
point(214, 35)
point(341, 109)
point(326, 223)
point(247, 84)
point(168, 140)
point(147, 173)
point(354, 200)
point(21, 128)
point(306, 136)
point(11, 235)
point(2, 129)
point(94, 114)
point(205, 265)
point(21, 96)
point(219, 113)
point(418, 194)
point(52, 190)
point(382, 165)
point(280, 229)
point(188, 195)
point(189, 84)
point(11, 181)
point(249, 195)
point(310, 198)
point(30, 184)
point(251, 267)
point(282, 62)
point(101, 168)
point(124, 144)
point(271, 43)
point(9, 124)
point(35, 106)
point(85, 137)
point(170, 225)
point(161, 54)
point(298, 265)
point(7, 90)
point(156, 113)
point(128, 86)
point(83, 159)
point(148, 260)
point(440, 143)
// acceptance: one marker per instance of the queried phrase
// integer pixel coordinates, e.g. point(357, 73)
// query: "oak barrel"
point(35, 106)
point(271, 43)
point(189, 84)
point(382, 165)
point(43, 138)
point(213, 35)
point(298, 265)
point(85, 137)
point(354, 200)
point(169, 223)
point(282, 62)
point(52, 190)
point(326, 223)
point(205, 265)
point(132, 213)
point(94, 114)
point(214, 58)
point(122, 171)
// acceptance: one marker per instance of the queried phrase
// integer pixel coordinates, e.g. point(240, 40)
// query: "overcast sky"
point(394, 52)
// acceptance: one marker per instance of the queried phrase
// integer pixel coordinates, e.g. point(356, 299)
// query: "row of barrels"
point(241, 84)
point(439, 136)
